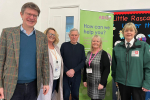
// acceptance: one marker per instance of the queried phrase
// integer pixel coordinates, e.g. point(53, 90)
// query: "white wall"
point(10, 9)
point(10, 13)
point(97, 5)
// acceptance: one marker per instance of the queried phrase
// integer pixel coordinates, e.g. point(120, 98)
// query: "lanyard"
point(54, 53)
point(92, 58)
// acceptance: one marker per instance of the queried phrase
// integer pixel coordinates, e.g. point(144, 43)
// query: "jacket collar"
point(136, 44)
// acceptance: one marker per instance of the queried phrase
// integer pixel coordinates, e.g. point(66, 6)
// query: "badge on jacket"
point(135, 53)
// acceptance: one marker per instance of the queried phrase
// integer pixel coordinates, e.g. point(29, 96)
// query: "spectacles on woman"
point(52, 34)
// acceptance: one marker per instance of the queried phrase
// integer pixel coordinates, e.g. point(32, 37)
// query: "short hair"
point(56, 34)
point(130, 25)
point(30, 5)
point(100, 40)
point(73, 29)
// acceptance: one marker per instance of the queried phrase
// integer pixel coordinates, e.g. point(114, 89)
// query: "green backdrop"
point(100, 23)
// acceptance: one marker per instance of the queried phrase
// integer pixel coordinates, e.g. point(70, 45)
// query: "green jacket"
point(132, 68)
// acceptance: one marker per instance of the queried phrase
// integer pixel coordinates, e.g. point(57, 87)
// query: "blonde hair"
point(100, 40)
point(129, 25)
point(56, 34)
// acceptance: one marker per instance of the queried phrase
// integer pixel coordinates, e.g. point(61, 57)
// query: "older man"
point(24, 58)
point(73, 55)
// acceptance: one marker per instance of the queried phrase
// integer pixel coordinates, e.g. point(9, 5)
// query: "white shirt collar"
point(131, 43)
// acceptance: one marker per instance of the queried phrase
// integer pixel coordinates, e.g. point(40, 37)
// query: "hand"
point(70, 73)
point(85, 84)
point(100, 87)
point(116, 84)
point(145, 90)
point(1, 93)
point(45, 89)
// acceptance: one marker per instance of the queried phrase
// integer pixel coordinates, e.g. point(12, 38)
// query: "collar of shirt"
point(131, 43)
point(24, 31)
point(73, 44)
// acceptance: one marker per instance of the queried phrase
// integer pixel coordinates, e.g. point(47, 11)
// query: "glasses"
point(29, 15)
point(52, 34)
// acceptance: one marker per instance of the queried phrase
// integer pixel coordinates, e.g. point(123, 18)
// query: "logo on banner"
point(107, 17)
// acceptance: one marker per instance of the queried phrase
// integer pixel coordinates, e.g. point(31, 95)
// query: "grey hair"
point(73, 29)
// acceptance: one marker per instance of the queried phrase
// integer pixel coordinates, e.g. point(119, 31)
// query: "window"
point(69, 26)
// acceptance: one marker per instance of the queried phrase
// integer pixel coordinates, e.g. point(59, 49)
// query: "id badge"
point(135, 53)
point(56, 68)
point(88, 70)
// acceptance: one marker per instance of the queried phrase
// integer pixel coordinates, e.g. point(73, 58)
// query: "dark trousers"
point(127, 91)
point(71, 85)
point(25, 91)
point(55, 85)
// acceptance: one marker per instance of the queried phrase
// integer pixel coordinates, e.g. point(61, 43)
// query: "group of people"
point(65, 66)
point(32, 67)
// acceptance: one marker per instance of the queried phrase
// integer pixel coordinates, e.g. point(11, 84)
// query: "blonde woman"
point(96, 70)
point(56, 68)
point(131, 65)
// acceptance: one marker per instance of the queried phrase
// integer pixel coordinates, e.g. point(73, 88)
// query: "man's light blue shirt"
point(24, 31)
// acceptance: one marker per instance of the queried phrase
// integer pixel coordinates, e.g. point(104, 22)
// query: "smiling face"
point(129, 34)
point(29, 18)
point(129, 31)
point(51, 36)
point(96, 43)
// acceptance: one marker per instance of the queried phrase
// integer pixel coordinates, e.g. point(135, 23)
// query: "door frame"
point(67, 6)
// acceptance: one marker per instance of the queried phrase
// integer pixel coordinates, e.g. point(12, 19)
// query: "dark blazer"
point(9, 60)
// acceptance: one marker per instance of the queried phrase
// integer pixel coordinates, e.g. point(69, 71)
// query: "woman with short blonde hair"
point(100, 39)
point(96, 70)
point(131, 65)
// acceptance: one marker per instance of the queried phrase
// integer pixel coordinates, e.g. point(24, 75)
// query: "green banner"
point(100, 23)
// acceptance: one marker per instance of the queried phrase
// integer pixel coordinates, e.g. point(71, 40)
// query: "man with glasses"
point(73, 55)
point(24, 58)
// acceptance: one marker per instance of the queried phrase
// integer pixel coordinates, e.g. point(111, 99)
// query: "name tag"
point(135, 53)
point(88, 70)
point(57, 68)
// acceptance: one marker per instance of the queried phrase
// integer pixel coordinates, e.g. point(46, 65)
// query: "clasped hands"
point(99, 86)
point(70, 73)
